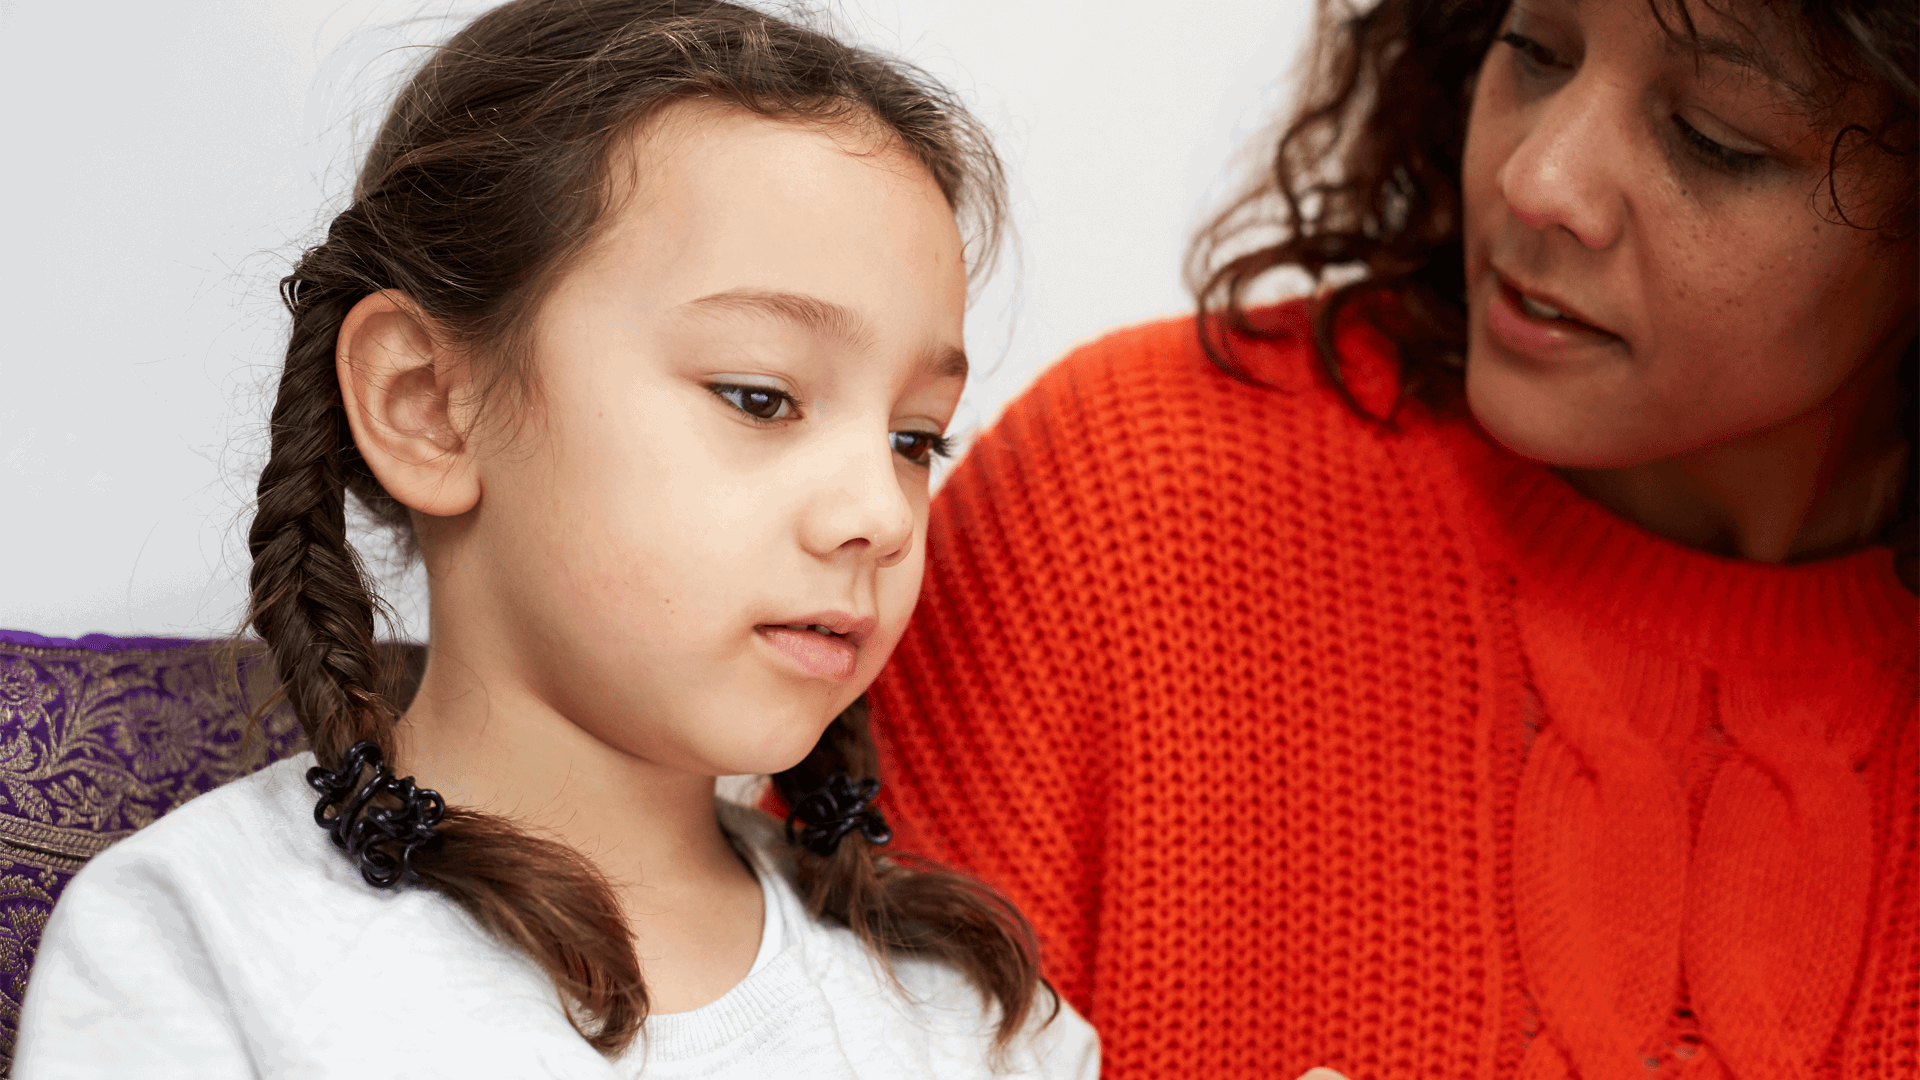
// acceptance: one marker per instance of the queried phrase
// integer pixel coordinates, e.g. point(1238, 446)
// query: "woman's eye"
point(1724, 158)
point(1531, 52)
point(920, 447)
point(759, 402)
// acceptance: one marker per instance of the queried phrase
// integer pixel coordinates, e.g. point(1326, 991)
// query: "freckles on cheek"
point(1718, 282)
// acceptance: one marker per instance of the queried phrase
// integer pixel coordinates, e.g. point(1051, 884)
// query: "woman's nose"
point(858, 506)
point(1560, 174)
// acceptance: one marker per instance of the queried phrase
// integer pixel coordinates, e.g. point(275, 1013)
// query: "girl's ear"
point(402, 389)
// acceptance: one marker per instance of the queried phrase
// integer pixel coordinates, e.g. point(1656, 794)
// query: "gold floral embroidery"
point(98, 744)
point(94, 745)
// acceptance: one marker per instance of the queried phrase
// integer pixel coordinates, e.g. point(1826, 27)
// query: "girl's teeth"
point(1537, 309)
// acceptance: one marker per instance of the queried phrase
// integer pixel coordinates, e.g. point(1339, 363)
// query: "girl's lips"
point(1537, 338)
point(818, 655)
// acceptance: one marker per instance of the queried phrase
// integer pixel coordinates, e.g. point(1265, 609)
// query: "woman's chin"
point(1551, 418)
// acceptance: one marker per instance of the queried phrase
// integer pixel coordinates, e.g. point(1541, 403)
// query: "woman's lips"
point(823, 656)
point(1536, 336)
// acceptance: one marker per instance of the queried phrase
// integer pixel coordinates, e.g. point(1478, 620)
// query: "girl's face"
point(1648, 267)
point(742, 388)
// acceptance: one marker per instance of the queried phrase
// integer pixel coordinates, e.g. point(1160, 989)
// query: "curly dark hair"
point(1366, 174)
point(1365, 182)
point(490, 173)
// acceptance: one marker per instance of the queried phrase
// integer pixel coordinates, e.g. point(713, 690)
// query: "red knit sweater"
point(1307, 743)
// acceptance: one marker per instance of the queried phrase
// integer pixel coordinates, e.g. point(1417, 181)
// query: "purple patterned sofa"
point(102, 735)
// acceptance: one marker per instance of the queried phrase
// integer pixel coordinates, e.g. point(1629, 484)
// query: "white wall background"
point(165, 162)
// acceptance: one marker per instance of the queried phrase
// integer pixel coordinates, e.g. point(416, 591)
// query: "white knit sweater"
point(231, 939)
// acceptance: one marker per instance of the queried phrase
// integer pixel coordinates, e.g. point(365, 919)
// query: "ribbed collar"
point(780, 983)
point(777, 991)
point(1570, 553)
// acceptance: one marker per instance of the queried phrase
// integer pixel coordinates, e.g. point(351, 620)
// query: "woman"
point(1501, 665)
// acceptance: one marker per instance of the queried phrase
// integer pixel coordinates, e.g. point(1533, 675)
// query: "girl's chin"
point(775, 749)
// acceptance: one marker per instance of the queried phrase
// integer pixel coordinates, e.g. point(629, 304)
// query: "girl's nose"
point(1559, 175)
point(859, 508)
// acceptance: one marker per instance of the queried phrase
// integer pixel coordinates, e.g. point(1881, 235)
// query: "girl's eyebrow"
point(945, 362)
point(823, 317)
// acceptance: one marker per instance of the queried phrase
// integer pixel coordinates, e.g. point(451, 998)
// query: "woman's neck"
point(1820, 484)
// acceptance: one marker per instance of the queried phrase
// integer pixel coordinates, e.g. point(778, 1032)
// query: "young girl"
point(1502, 664)
point(643, 328)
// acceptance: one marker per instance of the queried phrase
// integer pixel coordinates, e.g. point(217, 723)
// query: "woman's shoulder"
point(1143, 427)
point(1272, 349)
point(1154, 389)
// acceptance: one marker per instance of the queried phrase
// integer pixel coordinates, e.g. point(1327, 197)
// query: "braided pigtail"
point(310, 598)
point(313, 603)
point(896, 905)
point(491, 171)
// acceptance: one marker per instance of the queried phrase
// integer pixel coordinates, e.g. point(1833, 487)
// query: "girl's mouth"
point(815, 649)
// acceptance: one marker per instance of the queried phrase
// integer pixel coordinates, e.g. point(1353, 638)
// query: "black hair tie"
point(835, 810)
point(371, 837)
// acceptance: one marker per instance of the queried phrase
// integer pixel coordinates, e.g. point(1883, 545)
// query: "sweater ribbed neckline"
point(775, 981)
point(1569, 552)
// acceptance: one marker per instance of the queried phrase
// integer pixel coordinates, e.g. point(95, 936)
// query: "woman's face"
point(1651, 263)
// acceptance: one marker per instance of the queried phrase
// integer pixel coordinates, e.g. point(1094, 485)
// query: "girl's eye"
point(920, 447)
point(1724, 158)
point(759, 402)
point(1532, 53)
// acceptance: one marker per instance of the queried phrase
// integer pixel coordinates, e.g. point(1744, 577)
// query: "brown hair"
point(1366, 174)
point(489, 174)
point(1366, 178)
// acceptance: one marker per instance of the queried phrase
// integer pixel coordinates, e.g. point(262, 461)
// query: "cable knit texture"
point(1305, 742)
